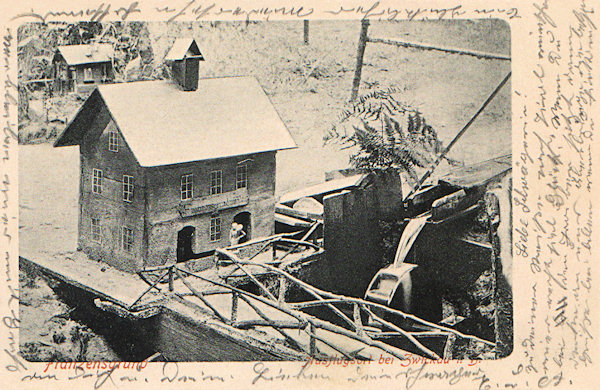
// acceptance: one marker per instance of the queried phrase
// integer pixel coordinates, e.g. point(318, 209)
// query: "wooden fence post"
point(306, 31)
point(282, 289)
point(449, 346)
point(234, 306)
point(171, 279)
point(362, 44)
point(313, 341)
point(358, 320)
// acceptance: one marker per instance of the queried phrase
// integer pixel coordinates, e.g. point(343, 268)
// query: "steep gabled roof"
point(86, 54)
point(164, 125)
point(182, 48)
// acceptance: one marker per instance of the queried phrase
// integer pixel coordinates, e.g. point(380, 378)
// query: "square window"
point(127, 188)
point(216, 182)
point(215, 228)
point(97, 181)
point(96, 231)
point(113, 141)
point(127, 239)
point(187, 187)
point(241, 176)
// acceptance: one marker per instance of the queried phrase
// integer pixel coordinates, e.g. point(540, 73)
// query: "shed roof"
point(324, 188)
point(86, 54)
point(183, 47)
point(478, 174)
point(164, 125)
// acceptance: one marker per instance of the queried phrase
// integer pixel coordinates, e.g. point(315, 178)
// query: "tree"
point(387, 135)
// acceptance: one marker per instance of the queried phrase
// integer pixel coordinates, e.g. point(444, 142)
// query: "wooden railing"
point(353, 327)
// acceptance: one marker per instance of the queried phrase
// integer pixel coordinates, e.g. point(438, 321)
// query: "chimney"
point(185, 58)
point(185, 73)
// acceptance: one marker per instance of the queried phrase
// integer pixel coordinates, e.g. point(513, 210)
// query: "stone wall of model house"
point(112, 201)
point(130, 216)
point(207, 196)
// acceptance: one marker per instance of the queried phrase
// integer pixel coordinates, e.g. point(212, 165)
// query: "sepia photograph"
point(309, 190)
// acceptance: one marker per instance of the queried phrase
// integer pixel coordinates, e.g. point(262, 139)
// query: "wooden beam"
point(200, 297)
point(282, 289)
point(153, 357)
point(360, 55)
point(330, 345)
point(306, 28)
point(291, 212)
point(271, 323)
point(145, 292)
point(318, 323)
point(421, 347)
point(236, 261)
point(449, 346)
point(319, 294)
point(303, 239)
point(141, 275)
point(234, 306)
point(313, 341)
point(457, 136)
point(291, 221)
point(453, 50)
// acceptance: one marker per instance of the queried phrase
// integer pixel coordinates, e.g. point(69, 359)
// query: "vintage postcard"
point(300, 194)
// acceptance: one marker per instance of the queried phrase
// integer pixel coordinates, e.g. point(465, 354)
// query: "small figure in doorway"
point(236, 233)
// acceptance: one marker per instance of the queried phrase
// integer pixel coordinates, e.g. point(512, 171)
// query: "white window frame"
point(215, 228)
point(216, 182)
point(97, 181)
point(96, 231)
point(241, 176)
point(127, 239)
point(127, 188)
point(187, 186)
point(113, 141)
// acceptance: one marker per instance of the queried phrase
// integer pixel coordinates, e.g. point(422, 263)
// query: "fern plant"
point(387, 135)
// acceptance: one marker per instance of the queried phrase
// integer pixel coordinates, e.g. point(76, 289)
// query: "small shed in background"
point(79, 68)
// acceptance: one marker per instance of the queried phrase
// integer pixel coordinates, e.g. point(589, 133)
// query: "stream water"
point(408, 238)
point(59, 323)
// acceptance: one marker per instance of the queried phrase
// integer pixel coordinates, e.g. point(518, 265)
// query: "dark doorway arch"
point(243, 219)
point(185, 240)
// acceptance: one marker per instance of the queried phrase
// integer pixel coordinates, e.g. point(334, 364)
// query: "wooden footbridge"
point(324, 326)
point(251, 308)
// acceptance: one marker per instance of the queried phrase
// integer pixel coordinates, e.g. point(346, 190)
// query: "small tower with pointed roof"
point(184, 58)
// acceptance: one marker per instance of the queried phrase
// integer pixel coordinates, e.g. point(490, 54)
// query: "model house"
point(80, 68)
point(168, 166)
